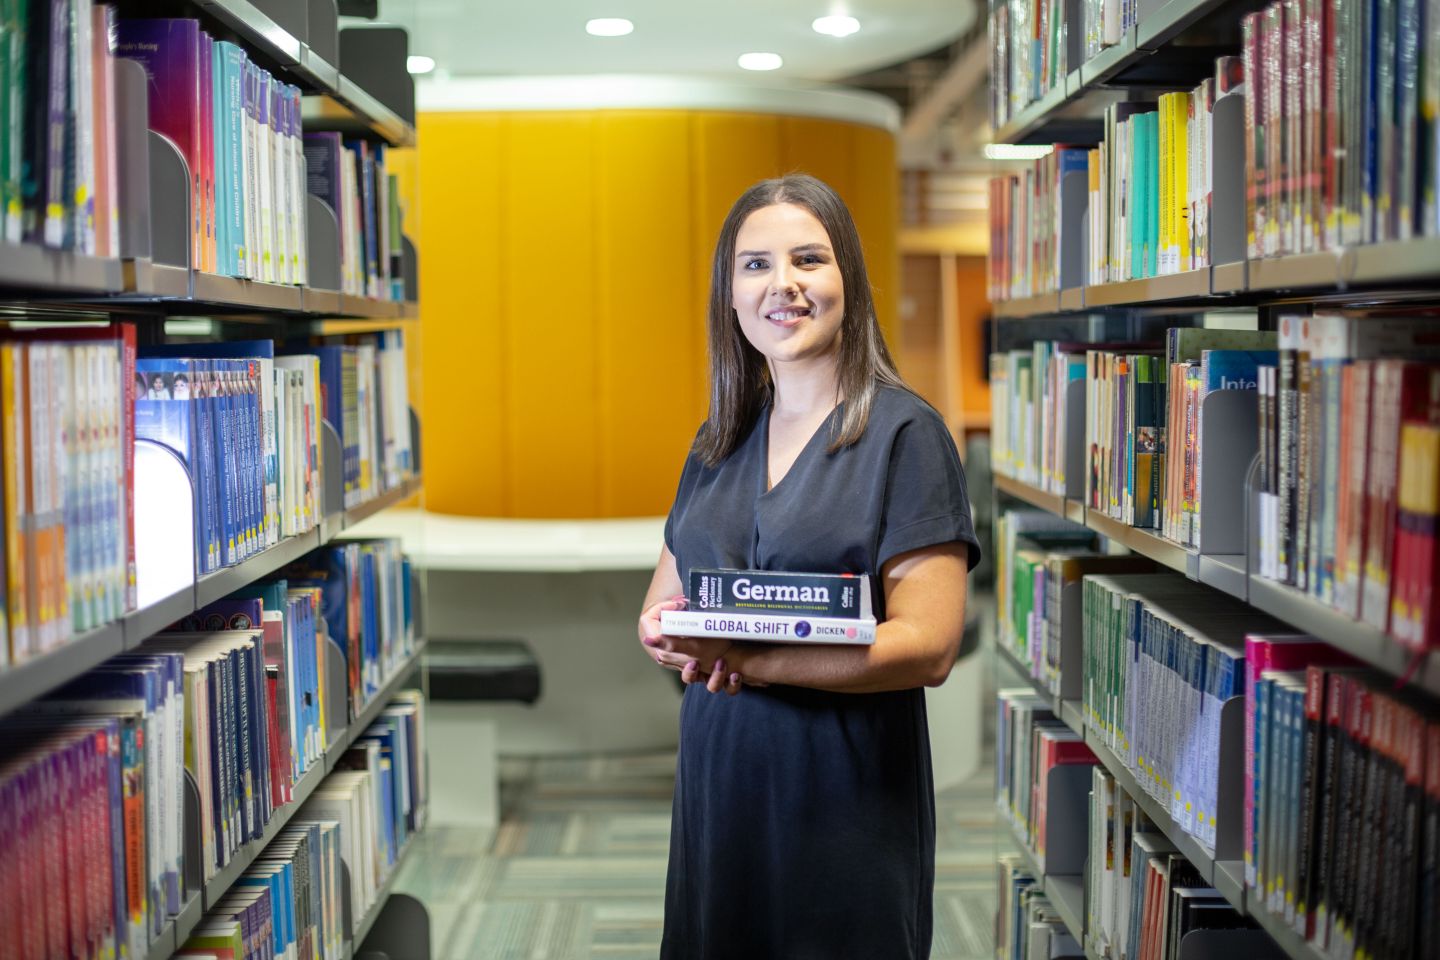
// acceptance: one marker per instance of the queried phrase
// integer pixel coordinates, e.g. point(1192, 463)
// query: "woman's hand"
point(698, 660)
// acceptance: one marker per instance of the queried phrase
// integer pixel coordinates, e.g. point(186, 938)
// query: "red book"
point(169, 50)
point(1412, 613)
point(1399, 390)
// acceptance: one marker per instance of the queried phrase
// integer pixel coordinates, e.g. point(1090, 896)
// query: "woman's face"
point(787, 289)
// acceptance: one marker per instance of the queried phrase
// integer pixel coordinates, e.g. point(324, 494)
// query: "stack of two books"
point(775, 607)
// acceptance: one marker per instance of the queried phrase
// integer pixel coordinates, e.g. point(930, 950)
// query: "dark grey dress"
point(804, 821)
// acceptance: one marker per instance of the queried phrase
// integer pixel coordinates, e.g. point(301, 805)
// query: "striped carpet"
point(577, 867)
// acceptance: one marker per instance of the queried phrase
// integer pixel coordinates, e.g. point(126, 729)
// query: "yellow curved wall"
point(564, 269)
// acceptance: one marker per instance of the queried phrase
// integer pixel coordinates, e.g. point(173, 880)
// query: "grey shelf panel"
point(176, 930)
point(1160, 816)
point(1163, 23)
point(385, 501)
point(148, 621)
point(1039, 305)
point(1230, 881)
point(367, 308)
point(39, 268)
point(349, 108)
point(1226, 573)
point(1360, 640)
point(367, 922)
point(1146, 543)
point(1294, 945)
point(1034, 116)
point(1008, 656)
point(1072, 716)
point(217, 886)
point(1067, 894)
point(23, 682)
point(1188, 285)
point(1403, 260)
point(325, 303)
point(212, 288)
point(1230, 277)
point(377, 704)
point(1300, 271)
point(1034, 496)
point(222, 583)
point(1109, 61)
point(256, 28)
point(316, 69)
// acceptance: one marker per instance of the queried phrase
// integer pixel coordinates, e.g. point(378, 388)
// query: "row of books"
point(351, 177)
point(1350, 466)
point(1027, 228)
point(1040, 559)
point(238, 129)
point(232, 701)
point(66, 442)
point(58, 176)
point(1027, 925)
point(1027, 54)
point(1341, 108)
point(1030, 741)
point(291, 902)
point(1162, 658)
point(247, 423)
point(1145, 897)
point(1343, 801)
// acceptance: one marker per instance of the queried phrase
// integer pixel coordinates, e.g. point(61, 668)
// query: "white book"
point(770, 628)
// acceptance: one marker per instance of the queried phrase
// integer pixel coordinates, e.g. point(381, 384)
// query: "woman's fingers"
point(734, 684)
point(690, 672)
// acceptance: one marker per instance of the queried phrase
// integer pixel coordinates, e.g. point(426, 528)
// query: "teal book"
point(1137, 196)
point(1152, 193)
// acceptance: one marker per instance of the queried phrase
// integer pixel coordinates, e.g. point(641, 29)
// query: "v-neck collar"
point(766, 488)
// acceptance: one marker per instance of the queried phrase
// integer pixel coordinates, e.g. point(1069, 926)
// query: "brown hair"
point(739, 376)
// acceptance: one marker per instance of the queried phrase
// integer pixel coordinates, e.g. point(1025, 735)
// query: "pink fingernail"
point(693, 665)
point(651, 641)
point(734, 678)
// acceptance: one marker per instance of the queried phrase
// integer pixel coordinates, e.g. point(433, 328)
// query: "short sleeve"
point(926, 502)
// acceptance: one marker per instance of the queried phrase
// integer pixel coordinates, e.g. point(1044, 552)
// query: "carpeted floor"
point(577, 867)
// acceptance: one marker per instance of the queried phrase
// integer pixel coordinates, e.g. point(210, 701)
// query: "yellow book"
point(1180, 182)
point(12, 425)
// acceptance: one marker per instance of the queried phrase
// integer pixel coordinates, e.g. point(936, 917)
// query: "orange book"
point(12, 454)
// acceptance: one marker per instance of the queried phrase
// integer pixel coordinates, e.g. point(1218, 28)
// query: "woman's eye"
point(756, 265)
point(810, 259)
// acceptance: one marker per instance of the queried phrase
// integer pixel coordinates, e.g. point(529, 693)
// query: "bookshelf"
point(152, 277)
point(1166, 49)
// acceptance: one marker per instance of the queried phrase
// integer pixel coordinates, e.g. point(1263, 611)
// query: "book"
point(769, 628)
point(765, 591)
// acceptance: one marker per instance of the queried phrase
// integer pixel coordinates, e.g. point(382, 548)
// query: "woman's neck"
point(803, 391)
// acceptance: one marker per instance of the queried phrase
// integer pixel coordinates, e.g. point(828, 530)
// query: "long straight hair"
point(739, 376)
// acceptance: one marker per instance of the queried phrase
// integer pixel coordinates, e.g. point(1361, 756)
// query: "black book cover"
point(771, 592)
point(1312, 792)
point(1337, 759)
point(1427, 907)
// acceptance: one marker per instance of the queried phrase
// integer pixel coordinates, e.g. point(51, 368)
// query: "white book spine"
point(767, 628)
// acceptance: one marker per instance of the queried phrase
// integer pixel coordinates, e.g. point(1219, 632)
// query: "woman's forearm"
point(901, 658)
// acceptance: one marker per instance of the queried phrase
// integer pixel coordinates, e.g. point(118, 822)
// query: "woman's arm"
point(667, 593)
point(916, 646)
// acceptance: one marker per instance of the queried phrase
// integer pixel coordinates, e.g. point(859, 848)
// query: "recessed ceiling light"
point(609, 27)
point(761, 61)
point(416, 63)
point(1016, 151)
point(836, 26)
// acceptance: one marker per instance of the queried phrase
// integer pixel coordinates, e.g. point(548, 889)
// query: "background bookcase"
point(152, 285)
point(1171, 46)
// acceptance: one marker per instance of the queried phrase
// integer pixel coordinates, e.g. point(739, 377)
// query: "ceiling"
point(698, 37)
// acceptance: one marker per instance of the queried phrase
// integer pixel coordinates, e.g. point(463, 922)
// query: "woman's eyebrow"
point(810, 248)
point(752, 253)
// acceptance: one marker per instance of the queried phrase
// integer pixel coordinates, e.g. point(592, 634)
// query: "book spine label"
point(772, 628)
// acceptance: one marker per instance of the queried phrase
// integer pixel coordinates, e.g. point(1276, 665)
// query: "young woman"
point(804, 816)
